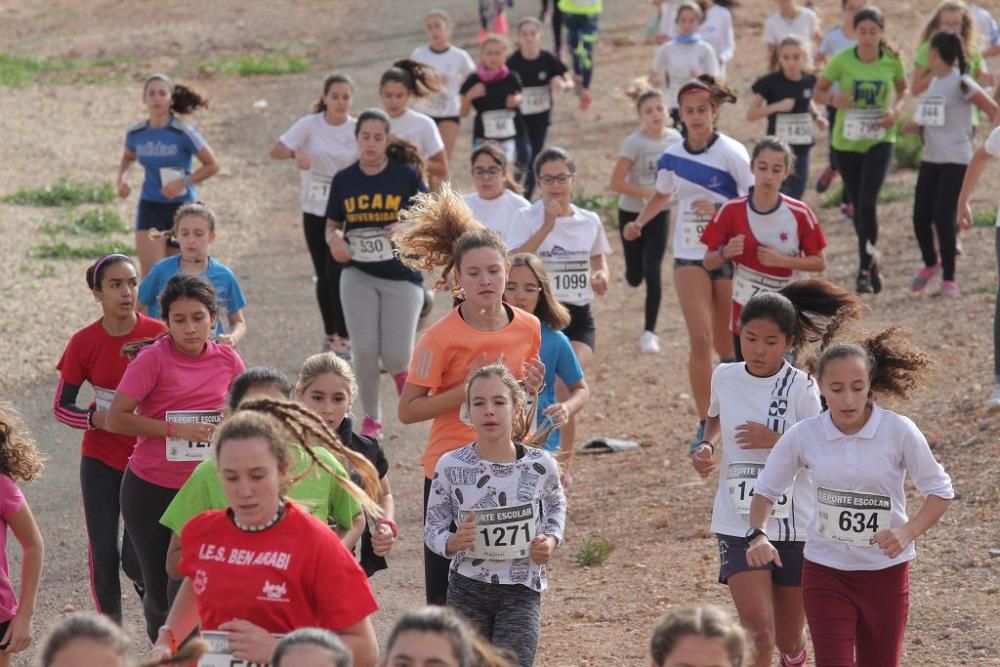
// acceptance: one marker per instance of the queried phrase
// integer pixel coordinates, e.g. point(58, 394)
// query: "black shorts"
point(724, 272)
point(447, 119)
point(3, 631)
point(581, 325)
point(155, 215)
point(733, 560)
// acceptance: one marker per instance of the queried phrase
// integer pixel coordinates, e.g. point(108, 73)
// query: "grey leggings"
point(509, 616)
point(381, 317)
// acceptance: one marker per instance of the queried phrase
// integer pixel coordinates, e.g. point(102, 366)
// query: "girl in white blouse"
point(855, 582)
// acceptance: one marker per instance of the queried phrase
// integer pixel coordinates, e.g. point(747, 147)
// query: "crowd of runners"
point(256, 507)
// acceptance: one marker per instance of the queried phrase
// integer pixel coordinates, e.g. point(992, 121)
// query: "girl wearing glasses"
point(497, 196)
point(572, 244)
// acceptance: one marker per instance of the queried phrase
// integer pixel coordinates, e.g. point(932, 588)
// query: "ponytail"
point(403, 151)
point(183, 100)
point(895, 365)
point(416, 77)
point(949, 49)
point(718, 91)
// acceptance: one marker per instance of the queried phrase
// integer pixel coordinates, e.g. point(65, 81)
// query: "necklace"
point(256, 529)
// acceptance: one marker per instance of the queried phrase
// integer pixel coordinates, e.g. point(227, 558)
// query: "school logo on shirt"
point(783, 236)
point(274, 592)
point(156, 149)
point(200, 582)
point(868, 93)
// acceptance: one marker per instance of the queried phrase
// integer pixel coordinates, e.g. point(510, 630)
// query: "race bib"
point(795, 129)
point(535, 99)
point(318, 189)
point(498, 124)
point(851, 517)
point(436, 105)
point(747, 282)
point(692, 226)
point(219, 654)
point(369, 244)
point(863, 124)
point(170, 174)
point(102, 398)
point(930, 111)
point(740, 479)
point(570, 280)
point(504, 533)
point(184, 450)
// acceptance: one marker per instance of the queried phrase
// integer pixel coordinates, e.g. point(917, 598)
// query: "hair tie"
point(100, 263)
point(159, 77)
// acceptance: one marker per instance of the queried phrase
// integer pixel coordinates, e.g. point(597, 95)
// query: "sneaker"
point(649, 343)
point(500, 23)
point(863, 283)
point(483, 34)
point(923, 277)
point(876, 276)
point(793, 661)
point(993, 404)
point(371, 428)
point(585, 99)
point(400, 380)
point(847, 211)
point(949, 289)
point(825, 179)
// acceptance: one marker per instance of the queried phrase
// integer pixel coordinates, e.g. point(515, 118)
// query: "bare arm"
point(619, 184)
point(209, 165)
point(360, 639)
point(237, 329)
point(920, 80)
point(437, 164)
point(986, 105)
point(25, 530)
point(417, 405)
point(174, 556)
point(282, 152)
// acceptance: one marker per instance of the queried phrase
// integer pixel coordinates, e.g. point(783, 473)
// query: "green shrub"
point(64, 192)
point(271, 64)
point(63, 250)
point(16, 71)
point(98, 222)
point(984, 218)
point(593, 551)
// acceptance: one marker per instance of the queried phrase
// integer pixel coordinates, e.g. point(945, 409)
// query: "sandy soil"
point(648, 503)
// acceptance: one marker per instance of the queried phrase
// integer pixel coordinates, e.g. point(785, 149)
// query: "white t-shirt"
point(805, 25)
point(717, 30)
point(681, 63)
point(778, 401)
point(331, 148)
point(644, 153)
point(566, 250)
point(989, 33)
point(419, 129)
point(717, 174)
point(496, 214)
point(668, 17)
point(992, 146)
point(455, 64)
point(859, 484)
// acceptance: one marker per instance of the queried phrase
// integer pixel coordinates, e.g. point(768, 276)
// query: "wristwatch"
point(753, 534)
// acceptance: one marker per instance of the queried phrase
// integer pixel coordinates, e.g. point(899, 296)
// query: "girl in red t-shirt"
point(265, 567)
point(94, 355)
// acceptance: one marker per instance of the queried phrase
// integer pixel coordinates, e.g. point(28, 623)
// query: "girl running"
point(164, 145)
point(451, 66)
point(954, 17)
point(311, 647)
point(990, 149)
point(494, 90)
point(20, 461)
point(264, 567)
point(704, 635)
point(382, 298)
point(529, 288)
point(743, 419)
point(322, 144)
point(481, 329)
point(326, 386)
point(94, 355)
point(404, 81)
point(572, 243)
point(685, 57)
point(633, 177)
point(497, 509)
point(717, 29)
point(171, 397)
point(542, 74)
point(437, 636)
point(491, 12)
point(784, 98)
point(497, 197)
point(706, 170)
point(194, 229)
point(865, 128)
point(581, 18)
point(315, 490)
point(860, 539)
point(791, 19)
point(944, 119)
point(769, 237)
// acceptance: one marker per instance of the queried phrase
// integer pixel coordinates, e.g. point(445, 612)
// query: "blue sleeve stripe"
point(705, 175)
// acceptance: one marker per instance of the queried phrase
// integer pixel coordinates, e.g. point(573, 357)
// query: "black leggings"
point(100, 485)
point(556, 25)
point(327, 275)
point(934, 202)
point(536, 128)
point(436, 568)
point(863, 175)
point(142, 506)
point(643, 260)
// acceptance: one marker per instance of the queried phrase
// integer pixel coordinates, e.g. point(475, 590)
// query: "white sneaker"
point(993, 405)
point(649, 343)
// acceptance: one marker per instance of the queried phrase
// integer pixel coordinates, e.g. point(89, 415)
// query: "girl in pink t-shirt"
point(170, 397)
point(19, 460)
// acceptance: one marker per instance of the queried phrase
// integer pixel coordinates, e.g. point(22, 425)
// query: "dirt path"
point(648, 503)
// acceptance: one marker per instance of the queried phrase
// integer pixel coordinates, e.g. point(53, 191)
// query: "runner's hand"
point(477, 91)
point(599, 282)
point(822, 123)
point(249, 642)
point(785, 105)
point(18, 634)
point(558, 412)
point(552, 209)
point(964, 214)
point(158, 653)
point(703, 461)
point(912, 127)
point(303, 161)
point(893, 541)
point(464, 536)
point(542, 548)
point(174, 189)
point(339, 249)
point(751, 435)
point(632, 231)
point(225, 339)
point(703, 207)
point(382, 540)
point(194, 432)
point(843, 101)
point(123, 189)
point(771, 257)
point(888, 119)
point(734, 247)
point(534, 375)
point(762, 552)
